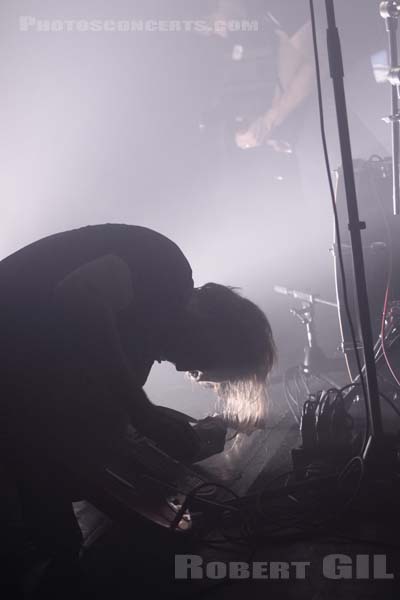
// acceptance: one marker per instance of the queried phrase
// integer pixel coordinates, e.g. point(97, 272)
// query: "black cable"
point(348, 387)
point(336, 216)
point(193, 493)
point(301, 516)
point(383, 396)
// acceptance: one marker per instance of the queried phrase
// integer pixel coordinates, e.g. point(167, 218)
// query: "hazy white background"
point(103, 127)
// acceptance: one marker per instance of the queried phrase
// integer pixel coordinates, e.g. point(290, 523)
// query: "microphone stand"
point(390, 11)
point(375, 449)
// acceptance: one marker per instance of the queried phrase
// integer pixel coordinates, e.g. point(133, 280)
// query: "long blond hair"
point(243, 401)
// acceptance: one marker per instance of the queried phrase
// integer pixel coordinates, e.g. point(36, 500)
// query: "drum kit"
point(381, 246)
point(381, 249)
point(366, 251)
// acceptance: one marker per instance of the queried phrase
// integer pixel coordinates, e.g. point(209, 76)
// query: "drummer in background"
point(292, 115)
point(293, 111)
point(293, 74)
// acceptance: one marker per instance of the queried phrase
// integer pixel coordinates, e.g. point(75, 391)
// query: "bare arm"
point(296, 78)
point(295, 71)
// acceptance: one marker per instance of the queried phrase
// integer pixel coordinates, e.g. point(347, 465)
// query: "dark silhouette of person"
point(84, 314)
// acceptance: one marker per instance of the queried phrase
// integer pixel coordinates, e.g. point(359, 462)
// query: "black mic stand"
point(378, 451)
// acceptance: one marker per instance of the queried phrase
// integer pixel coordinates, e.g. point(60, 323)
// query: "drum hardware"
point(389, 337)
point(345, 348)
point(390, 11)
point(381, 246)
point(303, 380)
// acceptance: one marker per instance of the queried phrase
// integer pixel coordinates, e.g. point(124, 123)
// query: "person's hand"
point(259, 131)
